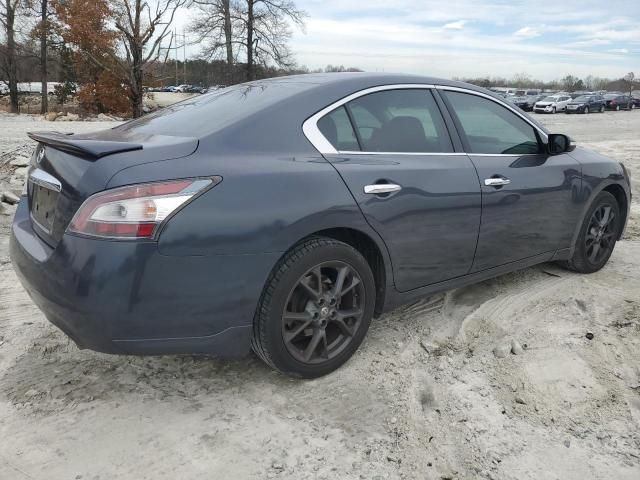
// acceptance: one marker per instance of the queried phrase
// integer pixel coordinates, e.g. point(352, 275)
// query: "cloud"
point(594, 42)
point(459, 25)
point(527, 32)
point(544, 38)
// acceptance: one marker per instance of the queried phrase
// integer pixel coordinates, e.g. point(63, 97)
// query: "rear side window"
point(403, 121)
point(490, 128)
point(336, 127)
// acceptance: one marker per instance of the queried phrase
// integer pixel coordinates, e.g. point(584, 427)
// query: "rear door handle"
point(379, 188)
point(496, 182)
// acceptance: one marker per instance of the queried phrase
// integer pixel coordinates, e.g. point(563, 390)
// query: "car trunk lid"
point(67, 169)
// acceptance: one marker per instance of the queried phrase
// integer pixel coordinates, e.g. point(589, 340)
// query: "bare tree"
point(8, 14)
point(142, 27)
point(135, 28)
point(214, 30)
point(43, 30)
point(43, 11)
point(266, 31)
point(213, 25)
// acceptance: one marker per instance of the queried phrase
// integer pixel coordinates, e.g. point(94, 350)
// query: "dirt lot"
point(424, 398)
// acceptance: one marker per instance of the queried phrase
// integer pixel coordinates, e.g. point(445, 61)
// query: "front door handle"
point(379, 188)
point(496, 181)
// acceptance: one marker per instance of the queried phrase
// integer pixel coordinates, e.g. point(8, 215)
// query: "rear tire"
point(315, 309)
point(598, 235)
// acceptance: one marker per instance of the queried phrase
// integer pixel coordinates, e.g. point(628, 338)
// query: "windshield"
point(550, 99)
point(582, 98)
point(610, 96)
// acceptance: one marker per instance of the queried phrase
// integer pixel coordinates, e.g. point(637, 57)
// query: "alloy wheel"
point(323, 312)
point(601, 233)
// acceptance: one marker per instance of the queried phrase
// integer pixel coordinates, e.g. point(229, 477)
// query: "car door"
point(530, 199)
point(393, 150)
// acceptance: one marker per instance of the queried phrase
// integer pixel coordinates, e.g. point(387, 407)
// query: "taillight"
point(135, 211)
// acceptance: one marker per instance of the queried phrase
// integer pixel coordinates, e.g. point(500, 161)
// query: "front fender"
point(598, 173)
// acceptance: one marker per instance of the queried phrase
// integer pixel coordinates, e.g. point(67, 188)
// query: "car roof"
point(269, 107)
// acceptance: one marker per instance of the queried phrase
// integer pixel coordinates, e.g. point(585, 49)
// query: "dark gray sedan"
point(283, 215)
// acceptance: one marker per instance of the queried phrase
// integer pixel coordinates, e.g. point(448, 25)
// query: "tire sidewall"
point(335, 251)
point(580, 258)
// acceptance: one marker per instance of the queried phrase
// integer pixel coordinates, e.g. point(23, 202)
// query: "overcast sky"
point(544, 38)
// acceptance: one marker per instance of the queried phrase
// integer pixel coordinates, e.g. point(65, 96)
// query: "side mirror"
point(559, 143)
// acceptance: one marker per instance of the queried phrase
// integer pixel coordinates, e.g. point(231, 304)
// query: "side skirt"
point(396, 299)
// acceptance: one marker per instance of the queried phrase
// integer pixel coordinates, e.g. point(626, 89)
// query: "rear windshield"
point(205, 114)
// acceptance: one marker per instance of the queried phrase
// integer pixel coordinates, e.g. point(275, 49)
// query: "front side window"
point(404, 121)
point(491, 128)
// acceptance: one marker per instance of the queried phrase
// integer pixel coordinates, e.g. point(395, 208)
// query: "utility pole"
point(175, 47)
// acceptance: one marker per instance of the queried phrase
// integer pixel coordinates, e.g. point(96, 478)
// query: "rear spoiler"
point(86, 148)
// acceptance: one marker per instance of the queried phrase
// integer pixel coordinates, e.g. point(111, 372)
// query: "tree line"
point(112, 48)
point(569, 83)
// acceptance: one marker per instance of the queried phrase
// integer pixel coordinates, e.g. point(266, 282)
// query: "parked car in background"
point(580, 93)
point(169, 88)
point(614, 101)
point(182, 88)
point(196, 89)
point(635, 102)
point(281, 215)
point(524, 103)
point(527, 92)
point(552, 104)
point(586, 104)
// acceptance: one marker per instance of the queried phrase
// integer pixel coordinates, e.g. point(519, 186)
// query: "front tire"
point(586, 110)
point(598, 235)
point(315, 310)
point(553, 110)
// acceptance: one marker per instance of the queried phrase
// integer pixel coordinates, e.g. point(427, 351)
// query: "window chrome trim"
point(42, 178)
point(310, 126)
point(318, 140)
point(425, 154)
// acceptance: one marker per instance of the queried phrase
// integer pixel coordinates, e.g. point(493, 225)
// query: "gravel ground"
point(425, 397)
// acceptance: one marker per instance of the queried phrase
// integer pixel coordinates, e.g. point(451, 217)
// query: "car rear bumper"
point(125, 297)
